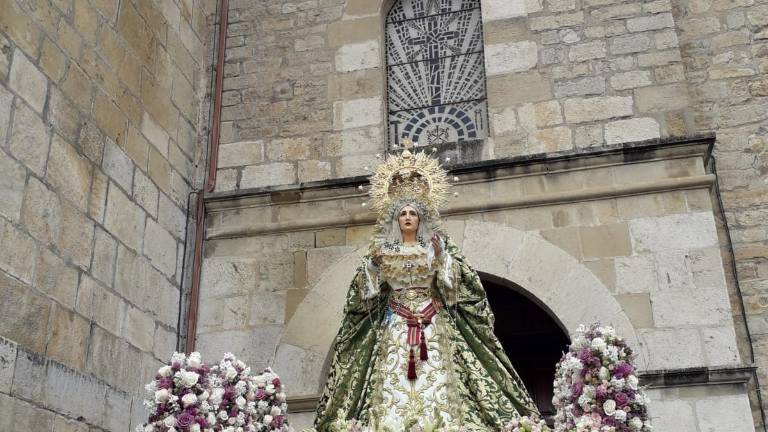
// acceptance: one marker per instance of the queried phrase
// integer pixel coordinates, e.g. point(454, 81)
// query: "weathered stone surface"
point(139, 329)
point(312, 170)
point(11, 186)
point(677, 415)
point(630, 44)
point(145, 192)
point(503, 9)
point(556, 21)
point(75, 239)
point(611, 240)
point(124, 219)
point(662, 98)
point(511, 89)
point(41, 213)
point(69, 173)
point(550, 140)
point(20, 415)
point(357, 113)
point(673, 232)
point(268, 175)
point(160, 247)
point(8, 351)
point(318, 260)
point(30, 139)
point(580, 87)
point(597, 108)
point(628, 80)
point(116, 412)
point(510, 57)
point(6, 105)
point(732, 411)
point(113, 360)
point(26, 80)
point(622, 131)
point(229, 276)
point(117, 165)
point(241, 153)
point(673, 348)
point(357, 56)
point(54, 278)
point(652, 22)
point(587, 51)
point(635, 274)
point(67, 344)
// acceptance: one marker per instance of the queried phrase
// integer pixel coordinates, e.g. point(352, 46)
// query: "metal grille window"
point(435, 71)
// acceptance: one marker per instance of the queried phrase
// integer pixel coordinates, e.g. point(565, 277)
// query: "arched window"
point(435, 71)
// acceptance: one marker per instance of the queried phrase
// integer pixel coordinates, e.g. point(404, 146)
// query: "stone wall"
point(305, 83)
point(99, 113)
point(724, 45)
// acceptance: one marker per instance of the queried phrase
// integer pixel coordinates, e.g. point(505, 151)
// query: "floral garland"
point(596, 389)
point(187, 395)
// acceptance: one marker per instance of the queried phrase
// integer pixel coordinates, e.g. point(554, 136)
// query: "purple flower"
point(165, 383)
point(601, 392)
point(621, 399)
point(229, 393)
point(261, 394)
point(184, 420)
point(622, 370)
point(576, 389)
point(276, 382)
point(176, 366)
point(278, 421)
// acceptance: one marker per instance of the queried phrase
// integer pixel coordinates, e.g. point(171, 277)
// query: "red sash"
point(416, 322)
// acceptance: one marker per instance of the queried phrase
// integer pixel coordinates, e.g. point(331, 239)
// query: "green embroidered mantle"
point(490, 391)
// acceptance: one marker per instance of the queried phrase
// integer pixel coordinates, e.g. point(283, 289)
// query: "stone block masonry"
point(99, 115)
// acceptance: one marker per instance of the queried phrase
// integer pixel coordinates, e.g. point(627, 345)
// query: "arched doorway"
point(532, 339)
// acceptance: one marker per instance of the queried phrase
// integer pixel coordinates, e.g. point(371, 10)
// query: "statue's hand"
point(436, 245)
point(377, 257)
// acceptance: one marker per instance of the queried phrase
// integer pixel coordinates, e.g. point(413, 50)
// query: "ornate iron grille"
point(435, 71)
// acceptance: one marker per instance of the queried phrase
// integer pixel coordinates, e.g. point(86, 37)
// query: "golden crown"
point(409, 176)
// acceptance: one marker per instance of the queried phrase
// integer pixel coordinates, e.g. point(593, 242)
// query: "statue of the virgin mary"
point(416, 342)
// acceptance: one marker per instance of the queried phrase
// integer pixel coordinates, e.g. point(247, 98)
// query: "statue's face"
point(409, 220)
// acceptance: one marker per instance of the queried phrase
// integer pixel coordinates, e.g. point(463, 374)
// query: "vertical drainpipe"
point(210, 184)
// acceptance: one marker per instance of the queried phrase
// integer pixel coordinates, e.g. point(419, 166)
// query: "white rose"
point(618, 384)
point(589, 391)
point(211, 419)
point(169, 421)
point(188, 379)
point(604, 374)
point(230, 373)
point(620, 415)
point(632, 382)
point(204, 395)
point(189, 399)
point(636, 423)
point(172, 429)
point(149, 428)
point(194, 361)
point(240, 401)
point(276, 411)
point(260, 379)
point(270, 389)
point(598, 344)
point(195, 428)
point(223, 415)
point(609, 406)
point(165, 371)
point(218, 394)
point(267, 419)
point(162, 396)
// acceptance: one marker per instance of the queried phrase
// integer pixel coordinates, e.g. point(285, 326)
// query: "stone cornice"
point(524, 181)
point(697, 376)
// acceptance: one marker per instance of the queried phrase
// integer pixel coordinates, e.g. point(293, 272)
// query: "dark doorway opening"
point(532, 339)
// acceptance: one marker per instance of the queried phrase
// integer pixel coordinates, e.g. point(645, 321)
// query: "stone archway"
point(551, 276)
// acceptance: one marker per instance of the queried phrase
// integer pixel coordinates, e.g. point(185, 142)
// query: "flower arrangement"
point(187, 395)
point(527, 424)
point(596, 389)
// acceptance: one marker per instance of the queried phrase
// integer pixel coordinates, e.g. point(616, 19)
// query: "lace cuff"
point(371, 272)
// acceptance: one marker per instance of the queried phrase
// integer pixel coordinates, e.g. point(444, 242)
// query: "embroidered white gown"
point(399, 399)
